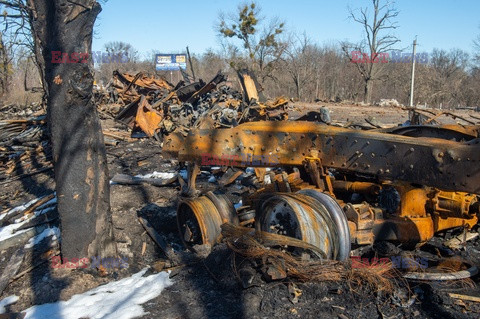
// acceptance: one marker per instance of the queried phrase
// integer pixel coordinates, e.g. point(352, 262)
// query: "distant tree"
point(119, 48)
point(301, 62)
point(448, 76)
point(5, 65)
point(208, 64)
point(258, 46)
point(15, 35)
point(377, 40)
point(120, 56)
point(476, 47)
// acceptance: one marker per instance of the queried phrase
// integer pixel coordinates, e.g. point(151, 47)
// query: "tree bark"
point(4, 66)
point(81, 173)
point(367, 94)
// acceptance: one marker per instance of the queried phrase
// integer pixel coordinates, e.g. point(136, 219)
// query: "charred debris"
point(306, 188)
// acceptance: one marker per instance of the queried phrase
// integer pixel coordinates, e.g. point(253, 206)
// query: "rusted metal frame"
point(454, 116)
point(448, 132)
point(147, 118)
point(318, 174)
point(356, 187)
point(313, 169)
point(447, 165)
point(219, 78)
point(127, 115)
point(437, 115)
point(137, 76)
point(418, 216)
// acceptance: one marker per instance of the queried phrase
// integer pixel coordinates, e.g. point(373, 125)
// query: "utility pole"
point(413, 70)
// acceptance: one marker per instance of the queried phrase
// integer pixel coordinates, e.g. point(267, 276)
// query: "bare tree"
point(476, 47)
point(81, 174)
point(15, 35)
point(208, 64)
point(122, 49)
point(300, 62)
point(5, 64)
point(260, 48)
point(378, 40)
point(119, 56)
point(448, 76)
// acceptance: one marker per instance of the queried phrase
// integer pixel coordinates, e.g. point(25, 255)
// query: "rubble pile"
point(250, 205)
point(156, 108)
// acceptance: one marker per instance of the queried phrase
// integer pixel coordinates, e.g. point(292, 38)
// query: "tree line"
point(285, 63)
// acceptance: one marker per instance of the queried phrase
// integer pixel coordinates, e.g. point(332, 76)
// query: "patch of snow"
point(7, 301)
point(212, 179)
point(9, 230)
point(156, 174)
point(54, 231)
point(116, 300)
point(250, 170)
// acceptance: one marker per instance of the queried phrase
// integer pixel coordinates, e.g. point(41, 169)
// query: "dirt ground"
point(208, 287)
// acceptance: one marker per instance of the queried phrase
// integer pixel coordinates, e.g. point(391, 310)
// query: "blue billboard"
point(170, 62)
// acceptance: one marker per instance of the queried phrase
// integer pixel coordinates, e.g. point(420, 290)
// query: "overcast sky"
point(169, 26)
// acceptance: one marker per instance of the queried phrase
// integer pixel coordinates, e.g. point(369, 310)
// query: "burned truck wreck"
point(333, 187)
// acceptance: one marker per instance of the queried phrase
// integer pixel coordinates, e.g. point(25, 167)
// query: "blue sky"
point(169, 26)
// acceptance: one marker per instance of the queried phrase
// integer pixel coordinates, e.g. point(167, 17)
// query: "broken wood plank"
point(124, 179)
point(13, 315)
point(26, 175)
point(118, 136)
point(38, 203)
point(11, 269)
point(167, 249)
point(464, 297)
point(28, 210)
point(21, 238)
point(38, 220)
point(39, 263)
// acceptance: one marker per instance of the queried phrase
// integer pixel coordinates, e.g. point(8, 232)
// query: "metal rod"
point(191, 64)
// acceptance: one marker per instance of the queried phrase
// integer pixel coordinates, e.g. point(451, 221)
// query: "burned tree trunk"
point(81, 174)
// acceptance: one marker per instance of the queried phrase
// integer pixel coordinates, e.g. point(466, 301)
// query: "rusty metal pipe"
point(356, 187)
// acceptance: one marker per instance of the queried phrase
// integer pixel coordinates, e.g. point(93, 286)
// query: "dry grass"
point(253, 244)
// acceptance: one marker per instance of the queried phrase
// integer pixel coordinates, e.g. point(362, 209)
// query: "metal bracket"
point(318, 174)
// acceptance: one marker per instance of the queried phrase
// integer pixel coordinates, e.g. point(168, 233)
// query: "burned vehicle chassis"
point(336, 186)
